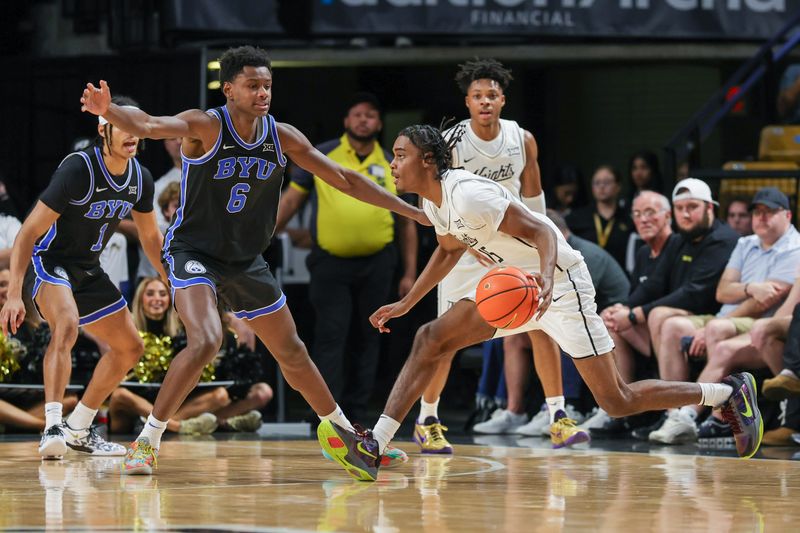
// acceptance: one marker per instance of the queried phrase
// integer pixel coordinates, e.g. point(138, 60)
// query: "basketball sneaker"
point(429, 436)
point(89, 441)
point(678, 428)
point(357, 452)
point(741, 412)
point(501, 422)
point(564, 431)
point(390, 458)
point(204, 424)
point(53, 444)
point(141, 458)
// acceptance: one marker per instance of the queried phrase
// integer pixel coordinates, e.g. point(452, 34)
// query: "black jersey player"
point(233, 161)
point(56, 262)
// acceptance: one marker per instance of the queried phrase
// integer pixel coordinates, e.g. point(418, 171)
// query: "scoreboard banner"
point(619, 19)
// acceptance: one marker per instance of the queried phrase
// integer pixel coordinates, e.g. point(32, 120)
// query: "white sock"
point(788, 373)
point(384, 431)
point(153, 429)
point(554, 404)
point(428, 409)
point(714, 394)
point(689, 411)
point(81, 417)
point(338, 418)
point(52, 414)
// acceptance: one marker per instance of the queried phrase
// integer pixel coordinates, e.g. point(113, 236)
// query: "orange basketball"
point(506, 297)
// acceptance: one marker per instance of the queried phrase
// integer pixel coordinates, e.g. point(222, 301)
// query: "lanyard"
point(602, 233)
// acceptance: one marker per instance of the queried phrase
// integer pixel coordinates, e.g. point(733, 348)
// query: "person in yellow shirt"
point(353, 256)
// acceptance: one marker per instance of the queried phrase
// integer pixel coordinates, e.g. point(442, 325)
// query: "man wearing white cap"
point(685, 280)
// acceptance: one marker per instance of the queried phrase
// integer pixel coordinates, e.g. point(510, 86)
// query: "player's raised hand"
point(12, 315)
point(379, 318)
point(545, 293)
point(96, 100)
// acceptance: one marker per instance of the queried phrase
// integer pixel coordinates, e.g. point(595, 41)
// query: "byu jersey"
point(472, 210)
point(501, 160)
point(91, 203)
point(230, 195)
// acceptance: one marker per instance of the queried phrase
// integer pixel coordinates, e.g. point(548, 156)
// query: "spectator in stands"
point(738, 216)
point(789, 95)
point(7, 206)
point(683, 280)
point(202, 414)
point(565, 192)
point(604, 222)
point(9, 227)
point(757, 278)
point(644, 174)
point(352, 262)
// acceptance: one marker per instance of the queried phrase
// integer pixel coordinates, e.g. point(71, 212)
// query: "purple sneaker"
point(356, 452)
point(429, 436)
point(564, 431)
point(741, 412)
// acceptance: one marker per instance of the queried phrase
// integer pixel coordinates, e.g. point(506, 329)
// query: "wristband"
point(632, 317)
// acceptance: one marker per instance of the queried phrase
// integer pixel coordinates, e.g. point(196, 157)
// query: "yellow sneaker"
point(430, 437)
point(564, 432)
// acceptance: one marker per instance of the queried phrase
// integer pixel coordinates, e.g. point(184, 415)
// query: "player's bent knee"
point(204, 345)
point(428, 342)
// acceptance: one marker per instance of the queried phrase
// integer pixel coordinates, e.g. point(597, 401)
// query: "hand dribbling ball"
point(507, 297)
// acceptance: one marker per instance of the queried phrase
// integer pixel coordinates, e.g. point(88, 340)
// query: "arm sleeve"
point(698, 292)
point(145, 203)
point(70, 182)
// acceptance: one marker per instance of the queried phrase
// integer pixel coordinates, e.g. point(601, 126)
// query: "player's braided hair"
point(233, 61)
point(479, 69)
point(105, 141)
point(433, 144)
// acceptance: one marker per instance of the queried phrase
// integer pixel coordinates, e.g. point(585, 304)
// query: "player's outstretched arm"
point(35, 225)
point(531, 179)
point(520, 223)
point(151, 239)
point(442, 261)
point(194, 123)
point(297, 147)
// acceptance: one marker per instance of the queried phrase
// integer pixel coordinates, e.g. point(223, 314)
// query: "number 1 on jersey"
point(96, 247)
point(238, 197)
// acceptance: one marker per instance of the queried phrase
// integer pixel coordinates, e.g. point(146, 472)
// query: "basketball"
point(507, 297)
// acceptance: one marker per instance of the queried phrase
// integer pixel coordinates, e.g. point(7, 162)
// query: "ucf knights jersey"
point(91, 202)
point(501, 160)
point(230, 195)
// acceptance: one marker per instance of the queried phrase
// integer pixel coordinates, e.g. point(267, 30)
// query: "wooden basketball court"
point(255, 485)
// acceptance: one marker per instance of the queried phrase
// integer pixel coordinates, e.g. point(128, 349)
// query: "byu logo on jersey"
point(195, 267)
point(61, 273)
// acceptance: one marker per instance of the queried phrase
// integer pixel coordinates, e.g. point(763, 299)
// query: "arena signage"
point(659, 19)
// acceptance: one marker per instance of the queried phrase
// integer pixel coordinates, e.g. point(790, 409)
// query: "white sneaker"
point(505, 422)
point(597, 419)
point(539, 424)
point(53, 444)
point(89, 441)
point(677, 428)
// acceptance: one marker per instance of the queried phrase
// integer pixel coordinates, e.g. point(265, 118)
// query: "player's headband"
point(103, 121)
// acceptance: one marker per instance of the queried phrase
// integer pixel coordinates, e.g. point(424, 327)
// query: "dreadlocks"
point(433, 144)
point(479, 69)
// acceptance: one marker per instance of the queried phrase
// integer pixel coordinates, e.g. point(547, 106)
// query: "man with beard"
point(353, 256)
point(685, 278)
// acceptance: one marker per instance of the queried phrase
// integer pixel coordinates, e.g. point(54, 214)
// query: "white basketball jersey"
point(501, 160)
point(473, 208)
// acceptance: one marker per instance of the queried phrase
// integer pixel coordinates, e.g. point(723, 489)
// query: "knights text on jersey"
point(473, 208)
point(91, 203)
point(501, 160)
point(230, 195)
